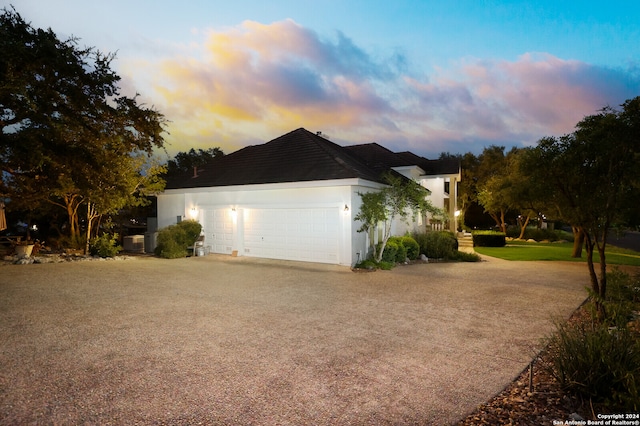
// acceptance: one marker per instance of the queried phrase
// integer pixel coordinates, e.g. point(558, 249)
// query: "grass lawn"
point(521, 250)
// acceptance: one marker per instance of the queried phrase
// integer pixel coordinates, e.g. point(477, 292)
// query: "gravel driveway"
point(222, 340)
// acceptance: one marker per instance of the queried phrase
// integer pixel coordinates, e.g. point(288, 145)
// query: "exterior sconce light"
point(346, 210)
point(193, 213)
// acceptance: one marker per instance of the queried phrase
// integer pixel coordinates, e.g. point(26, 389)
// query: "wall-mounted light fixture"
point(193, 213)
point(346, 208)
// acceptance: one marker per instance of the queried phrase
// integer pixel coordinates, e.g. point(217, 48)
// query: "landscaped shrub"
point(437, 244)
point(463, 256)
point(412, 246)
point(386, 266)
point(489, 239)
point(390, 251)
point(533, 233)
point(68, 242)
point(401, 252)
point(622, 299)
point(597, 363)
point(173, 241)
point(421, 239)
point(192, 229)
point(106, 245)
point(599, 360)
point(368, 264)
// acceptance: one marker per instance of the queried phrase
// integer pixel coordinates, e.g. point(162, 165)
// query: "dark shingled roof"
point(299, 156)
point(373, 153)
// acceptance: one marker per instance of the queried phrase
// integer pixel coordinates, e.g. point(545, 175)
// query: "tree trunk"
point(603, 272)
point(73, 221)
point(578, 242)
point(601, 246)
point(596, 284)
point(89, 219)
point(385, 238)
point(523, 227)
point(499, 220)
point(503, 226)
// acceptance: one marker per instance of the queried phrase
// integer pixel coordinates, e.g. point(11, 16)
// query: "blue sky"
point(424, 76)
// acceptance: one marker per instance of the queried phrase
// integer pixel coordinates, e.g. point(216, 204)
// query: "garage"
point(294, 198)
point(292, 234)
point(218, 229)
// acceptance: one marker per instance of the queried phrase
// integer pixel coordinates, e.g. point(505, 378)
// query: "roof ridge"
point(343, 151)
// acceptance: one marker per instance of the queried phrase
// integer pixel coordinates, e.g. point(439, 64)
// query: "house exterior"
point(295, 197)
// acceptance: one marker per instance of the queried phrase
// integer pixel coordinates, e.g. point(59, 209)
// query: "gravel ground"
point(221, 340)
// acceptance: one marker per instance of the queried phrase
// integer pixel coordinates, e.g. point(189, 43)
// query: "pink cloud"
point(256, 81)
point(517, 102)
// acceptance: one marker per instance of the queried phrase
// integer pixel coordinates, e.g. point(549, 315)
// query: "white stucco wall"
point(170, 206)
point(318, 194)
point(436, 184)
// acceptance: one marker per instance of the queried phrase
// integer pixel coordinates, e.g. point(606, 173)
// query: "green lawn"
point(521, 250)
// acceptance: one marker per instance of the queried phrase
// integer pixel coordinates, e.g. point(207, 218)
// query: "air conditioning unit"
point(133, 243)
point(150, 239)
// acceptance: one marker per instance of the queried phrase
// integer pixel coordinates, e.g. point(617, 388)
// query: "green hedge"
point(174, 240)
point(534, 233)
point(390, 251)
point(412, 246)
point(437, 244)
point(489, 239)
point(399, 249)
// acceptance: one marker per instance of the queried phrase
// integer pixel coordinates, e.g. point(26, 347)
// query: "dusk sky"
point(423, 76)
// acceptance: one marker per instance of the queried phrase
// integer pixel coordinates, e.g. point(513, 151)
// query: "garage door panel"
point(293, 234)
point(218, 229)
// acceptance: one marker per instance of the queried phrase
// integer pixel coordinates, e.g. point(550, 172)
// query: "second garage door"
point(293, 234)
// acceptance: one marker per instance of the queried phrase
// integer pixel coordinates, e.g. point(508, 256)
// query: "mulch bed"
point(542, 404)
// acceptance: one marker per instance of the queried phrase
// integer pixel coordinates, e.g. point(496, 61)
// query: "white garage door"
point(293, 234)
point(218, 226)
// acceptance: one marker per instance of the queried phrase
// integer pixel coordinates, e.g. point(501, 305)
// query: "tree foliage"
point(187, 161)
point(401, 198)
point(592, 175)
point(481, 181)
point(513, 189)
point(69, 138)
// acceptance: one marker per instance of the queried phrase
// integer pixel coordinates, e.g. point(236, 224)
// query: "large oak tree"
point(592, 176)
point(69, 138)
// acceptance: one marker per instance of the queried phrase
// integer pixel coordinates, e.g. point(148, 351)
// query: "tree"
point(592, 175)
point(527, 195)
point(185, 162)
point(514, 190)
point(545, 168)
point(68, 137)
point(399, 199)
point(490, 177)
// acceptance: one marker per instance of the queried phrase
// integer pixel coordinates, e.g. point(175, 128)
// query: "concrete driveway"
point(221, 340)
